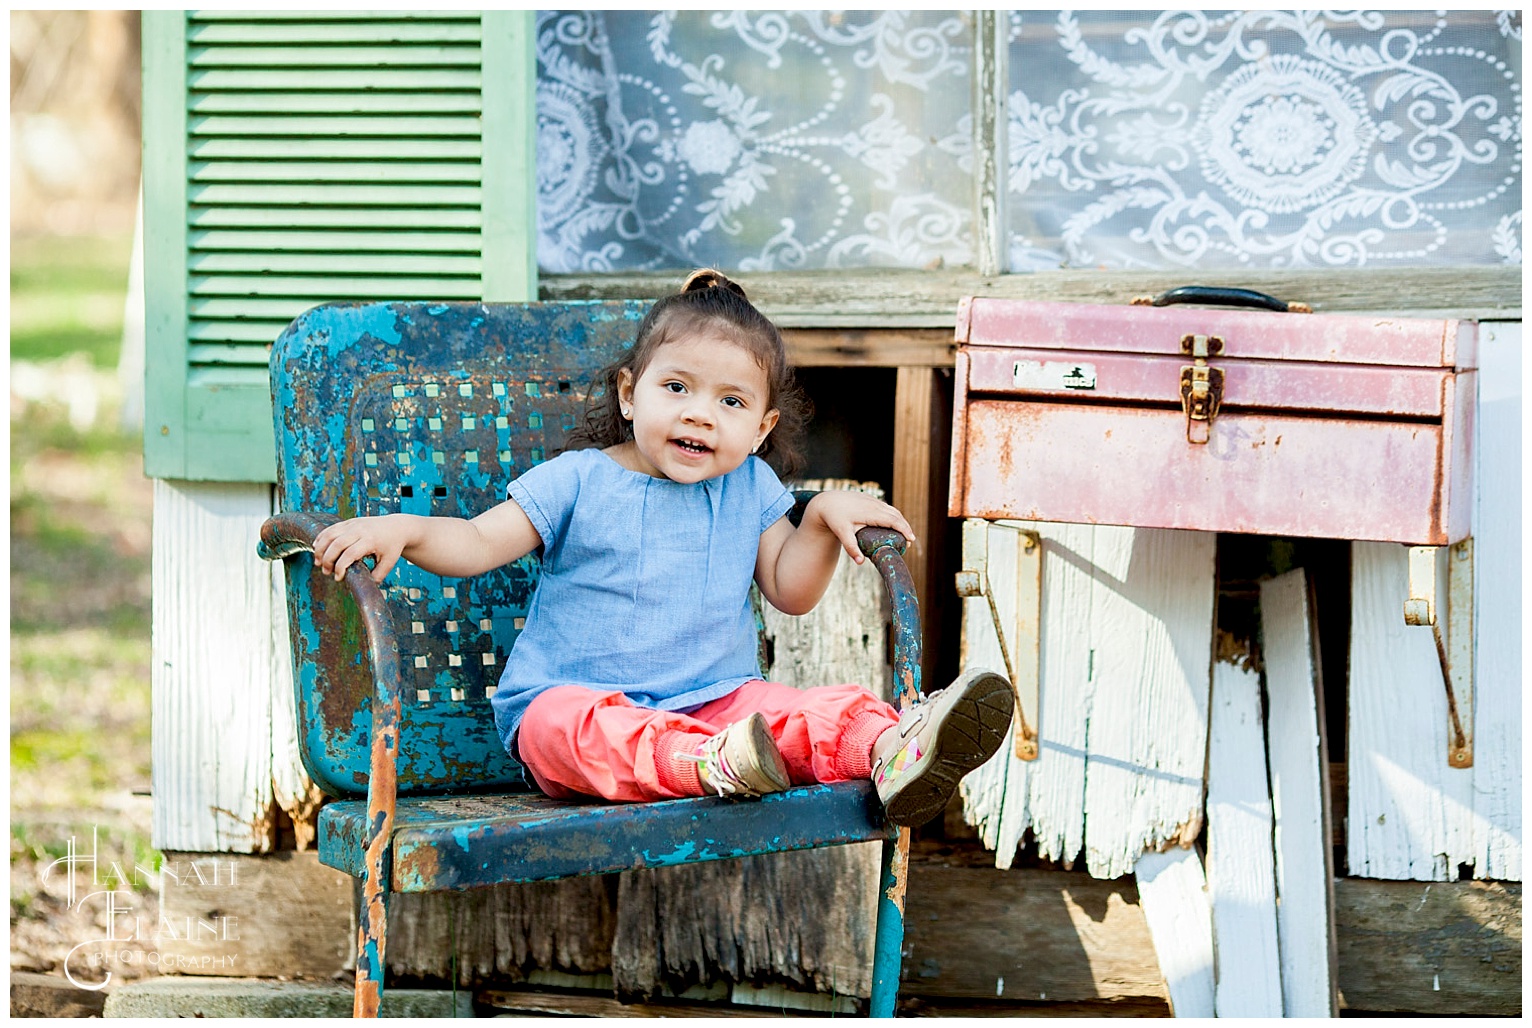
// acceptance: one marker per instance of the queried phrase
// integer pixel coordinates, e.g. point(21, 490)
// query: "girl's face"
point(698, 409)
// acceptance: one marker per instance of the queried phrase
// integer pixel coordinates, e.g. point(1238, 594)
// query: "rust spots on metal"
point(368, 995)
point(885, 548)
point(900, 867)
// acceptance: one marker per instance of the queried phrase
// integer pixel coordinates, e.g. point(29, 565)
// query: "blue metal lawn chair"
point(433, 408)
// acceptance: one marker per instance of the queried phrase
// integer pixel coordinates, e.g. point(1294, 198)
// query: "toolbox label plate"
point(1054, 375)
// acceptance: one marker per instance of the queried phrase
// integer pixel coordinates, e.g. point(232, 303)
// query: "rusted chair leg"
point(372, 928)
point(888, 938)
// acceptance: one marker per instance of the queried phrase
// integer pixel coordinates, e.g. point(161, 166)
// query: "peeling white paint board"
point(1151, 627)
point(1497, 774)
point(1126, 656)
point(1299, 781)
point(292, 788)
point(1409, 814)
point(1055, 797)
point(1240, 865)
point(211, 673)
point(1173, 893)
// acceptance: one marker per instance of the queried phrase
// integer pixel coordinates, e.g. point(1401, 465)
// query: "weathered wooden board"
point(913, 348)
point(1240, 866)
point(530, 1003)
point(1411, 815)
point(917, 1006)
point(805, 923)
point(1434, 948)
point(1126, 659)
point(504, 931)
point(213, 669)
point(889, 296)
point(922, 426)
point(292, 788)
point(1299, 760)
point(1445, 948)
point(235, 915)
point(1173, 892)
point(1038, 936)
point(1497, 771)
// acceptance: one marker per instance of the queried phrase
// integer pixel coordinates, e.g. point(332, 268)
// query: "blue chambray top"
point(645, 583)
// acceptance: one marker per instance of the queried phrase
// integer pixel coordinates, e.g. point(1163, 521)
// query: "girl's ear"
point(768, 423)
point(625, 391)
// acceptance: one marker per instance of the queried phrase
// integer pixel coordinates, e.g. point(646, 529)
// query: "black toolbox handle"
point(1224, 296)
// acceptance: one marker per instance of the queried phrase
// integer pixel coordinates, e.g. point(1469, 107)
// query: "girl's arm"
point(793, 566)
point(452, 547)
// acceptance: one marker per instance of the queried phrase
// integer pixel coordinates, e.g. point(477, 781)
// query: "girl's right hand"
point(344, 543)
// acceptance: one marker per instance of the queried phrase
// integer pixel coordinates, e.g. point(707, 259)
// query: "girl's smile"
point(698, 410)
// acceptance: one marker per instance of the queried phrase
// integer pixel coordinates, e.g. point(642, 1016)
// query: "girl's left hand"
point(842, 513)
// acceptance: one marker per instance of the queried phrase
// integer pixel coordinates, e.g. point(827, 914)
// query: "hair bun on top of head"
point(709, 278)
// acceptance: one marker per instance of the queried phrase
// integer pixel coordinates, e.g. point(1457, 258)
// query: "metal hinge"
point(1023, 664)
point(1441, 591)
point(1201, 386)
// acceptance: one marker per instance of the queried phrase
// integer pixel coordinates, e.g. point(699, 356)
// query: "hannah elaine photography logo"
point(106, 893)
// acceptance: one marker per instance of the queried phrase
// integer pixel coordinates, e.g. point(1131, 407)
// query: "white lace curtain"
point(800, 139)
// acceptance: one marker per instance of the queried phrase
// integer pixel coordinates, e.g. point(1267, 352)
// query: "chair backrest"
point(425, 408)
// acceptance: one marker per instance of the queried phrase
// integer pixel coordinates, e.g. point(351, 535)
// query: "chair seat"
point(460, 842)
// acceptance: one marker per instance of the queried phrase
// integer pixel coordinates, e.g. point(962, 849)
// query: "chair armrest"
point(885, 548)
point(284, 535)
point(288, 535)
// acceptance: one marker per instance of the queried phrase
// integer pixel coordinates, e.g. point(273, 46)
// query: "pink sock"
point(674, 770)
point(853, 753)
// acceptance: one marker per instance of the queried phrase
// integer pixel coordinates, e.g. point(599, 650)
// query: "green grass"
point(80, 532)
point(67, 296)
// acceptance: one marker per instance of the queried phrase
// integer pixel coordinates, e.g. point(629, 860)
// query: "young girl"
point(636, 677)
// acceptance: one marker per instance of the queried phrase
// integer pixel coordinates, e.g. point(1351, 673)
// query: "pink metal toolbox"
point(1222, 420)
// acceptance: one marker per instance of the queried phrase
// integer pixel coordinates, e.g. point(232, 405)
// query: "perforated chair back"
point(424, 408)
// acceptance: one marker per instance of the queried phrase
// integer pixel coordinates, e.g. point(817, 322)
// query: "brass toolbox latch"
point(1201, 386)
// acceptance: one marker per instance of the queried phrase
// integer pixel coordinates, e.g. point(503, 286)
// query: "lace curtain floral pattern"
point(1264, 139)
point(760, 140)
point(1137, 140)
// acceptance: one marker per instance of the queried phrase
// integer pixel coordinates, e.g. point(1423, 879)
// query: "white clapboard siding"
point(211, 685)
point(1126, 657)
point(1241, 872)
point(1497, 608)
point(1299, 789)
point(1411, 815)
point(292, 788)
point(1173, 892)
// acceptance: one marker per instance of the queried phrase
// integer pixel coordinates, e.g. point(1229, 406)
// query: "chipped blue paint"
point(682, 854)
point(335, 367)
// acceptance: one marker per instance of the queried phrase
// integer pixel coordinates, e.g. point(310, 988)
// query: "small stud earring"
point(625, 412)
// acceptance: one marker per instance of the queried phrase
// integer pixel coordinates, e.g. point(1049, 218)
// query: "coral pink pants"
point(579, 741)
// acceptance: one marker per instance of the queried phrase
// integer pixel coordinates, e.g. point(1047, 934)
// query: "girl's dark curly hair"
point(707, 298)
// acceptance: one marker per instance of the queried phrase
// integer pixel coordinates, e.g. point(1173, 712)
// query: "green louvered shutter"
point(294, 158)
